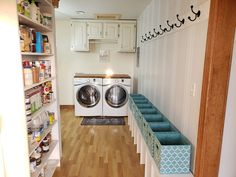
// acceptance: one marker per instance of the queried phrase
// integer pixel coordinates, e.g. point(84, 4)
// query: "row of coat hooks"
point(161, 31)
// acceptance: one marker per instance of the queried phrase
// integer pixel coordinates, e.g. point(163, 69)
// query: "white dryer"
point(88, 96)
point(115, 96)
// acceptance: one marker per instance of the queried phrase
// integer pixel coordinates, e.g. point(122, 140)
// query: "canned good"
point(45, 144)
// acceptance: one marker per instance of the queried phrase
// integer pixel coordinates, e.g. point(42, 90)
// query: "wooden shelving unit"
point(51, 159)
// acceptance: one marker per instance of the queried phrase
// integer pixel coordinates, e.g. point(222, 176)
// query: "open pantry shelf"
point(37, 113)
point(51, 167)
point(47, 3)
point(36, 144)
point(39, 83)
point(35, 54)
point(29, 22)
point(44, 159)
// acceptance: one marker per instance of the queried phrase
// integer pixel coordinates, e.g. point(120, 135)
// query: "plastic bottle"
point(28, 75)
point(35, 71)
point(42, 72)
point(33, 11)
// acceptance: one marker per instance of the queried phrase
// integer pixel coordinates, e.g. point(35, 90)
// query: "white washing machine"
point(88, 96)
point(115, 96)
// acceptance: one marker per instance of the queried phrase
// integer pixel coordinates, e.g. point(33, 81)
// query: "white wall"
point(85, 62)
point(228, 153)
point(172, 65)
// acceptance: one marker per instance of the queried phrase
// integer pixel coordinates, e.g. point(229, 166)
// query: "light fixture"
point(80, 12)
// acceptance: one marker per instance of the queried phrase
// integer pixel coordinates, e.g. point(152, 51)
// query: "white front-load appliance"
point(88, 96)
point(115, 96)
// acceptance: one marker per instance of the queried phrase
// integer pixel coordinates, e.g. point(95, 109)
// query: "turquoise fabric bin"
point(154, 127)
point(153, 117)
point(141, 119)
point(172, 153)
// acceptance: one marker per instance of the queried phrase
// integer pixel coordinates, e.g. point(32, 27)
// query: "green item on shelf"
point(26, 6)
point(20, 8)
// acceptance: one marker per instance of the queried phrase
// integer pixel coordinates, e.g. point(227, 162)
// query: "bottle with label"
point(42, 72)
point(35, 71)
point(27, 73)
point(33, 11)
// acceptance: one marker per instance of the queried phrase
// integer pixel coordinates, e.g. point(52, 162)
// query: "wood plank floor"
point(96, 151)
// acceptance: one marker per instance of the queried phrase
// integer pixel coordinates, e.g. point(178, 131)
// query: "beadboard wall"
point(171, 66)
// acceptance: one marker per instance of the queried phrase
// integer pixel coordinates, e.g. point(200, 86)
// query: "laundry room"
point(128, 88)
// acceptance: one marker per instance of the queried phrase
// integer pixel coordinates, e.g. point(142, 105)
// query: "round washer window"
point(88, 96)
point(116, 96)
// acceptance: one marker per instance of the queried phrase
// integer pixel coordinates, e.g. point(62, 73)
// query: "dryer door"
point(88, 96)
point(116, 96)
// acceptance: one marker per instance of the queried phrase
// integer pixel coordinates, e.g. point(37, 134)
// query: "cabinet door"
point(127, 38)
point(111, 31)
point(95, 30)
point(79, 39)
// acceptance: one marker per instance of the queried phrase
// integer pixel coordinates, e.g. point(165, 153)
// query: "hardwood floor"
point(96, 151)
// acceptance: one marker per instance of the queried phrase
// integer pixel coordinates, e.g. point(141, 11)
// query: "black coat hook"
point(197, 14)
point(181, 21)
point(148, 37)
point(162, 29)
point(157, 33)
point(142, 40)
point(171, 26)
point(152, 35)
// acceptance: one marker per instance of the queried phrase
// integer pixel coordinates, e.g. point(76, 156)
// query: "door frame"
point(218, 56)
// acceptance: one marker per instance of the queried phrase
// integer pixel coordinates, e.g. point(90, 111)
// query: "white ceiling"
point(129, 9)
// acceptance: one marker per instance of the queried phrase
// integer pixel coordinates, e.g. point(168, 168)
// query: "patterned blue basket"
point(154, 127)
point(172, 153)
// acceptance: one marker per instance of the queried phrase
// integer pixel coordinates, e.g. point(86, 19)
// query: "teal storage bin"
point(153, 117)
point(133, 95)
point(141, 101)
point(141, 119)
point(155, 127)
point(172, 153)
point(145, 105)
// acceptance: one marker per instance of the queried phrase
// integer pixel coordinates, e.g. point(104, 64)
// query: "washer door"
point(88, 96)
point(116, 96)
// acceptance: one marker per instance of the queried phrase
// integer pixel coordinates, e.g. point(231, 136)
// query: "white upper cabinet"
point(79, 38)
point(127, 37)
point(111, 31)
point(119, 32)
point(95, 30)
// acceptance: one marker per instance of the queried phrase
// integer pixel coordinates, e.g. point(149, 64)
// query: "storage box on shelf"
point(172, 153)
point(169, 149)
point(154, 127)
